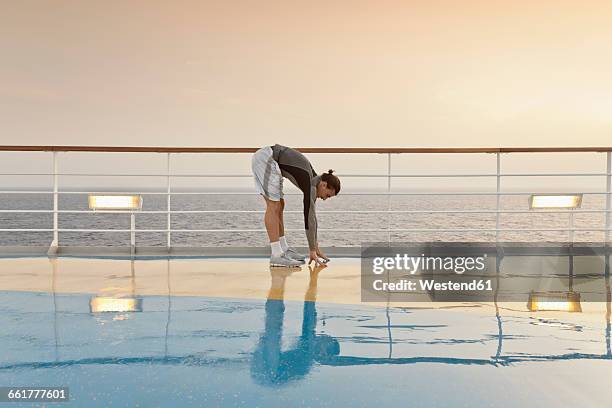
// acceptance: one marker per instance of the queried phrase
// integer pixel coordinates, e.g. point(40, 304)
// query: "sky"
point(319, 73)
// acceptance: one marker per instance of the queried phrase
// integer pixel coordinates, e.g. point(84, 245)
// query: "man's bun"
point(330, 171)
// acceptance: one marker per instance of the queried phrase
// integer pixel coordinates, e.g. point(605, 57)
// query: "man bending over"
point(270, 164)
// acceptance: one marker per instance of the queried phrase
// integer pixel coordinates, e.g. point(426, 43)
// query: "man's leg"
point(272, 219)
point(283, 241)
point(273, 223)
point(281, 221)
point(281, 228)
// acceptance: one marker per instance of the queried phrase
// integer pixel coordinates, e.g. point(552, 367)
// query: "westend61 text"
point(405, 285)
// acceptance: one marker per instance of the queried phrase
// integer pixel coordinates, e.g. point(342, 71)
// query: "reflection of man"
point(270, 365)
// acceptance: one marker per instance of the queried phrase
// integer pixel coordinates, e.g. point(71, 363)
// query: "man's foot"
point(284, 260)
point(291, 253)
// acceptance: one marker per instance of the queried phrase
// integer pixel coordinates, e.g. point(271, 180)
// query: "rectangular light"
point(115, 202)
point(554, 301)
point(555, 201)
point(108, 304)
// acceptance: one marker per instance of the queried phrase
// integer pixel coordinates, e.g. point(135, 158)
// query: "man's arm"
point(310, 218)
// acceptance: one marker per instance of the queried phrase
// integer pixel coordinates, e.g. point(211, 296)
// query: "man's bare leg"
point(283, 241)
point(274, 224)
point(281, 221)
point(272, 219)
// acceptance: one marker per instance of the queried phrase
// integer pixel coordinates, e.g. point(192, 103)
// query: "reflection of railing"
point(169, 175)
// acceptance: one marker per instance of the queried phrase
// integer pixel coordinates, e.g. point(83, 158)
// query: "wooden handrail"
point(142, 149)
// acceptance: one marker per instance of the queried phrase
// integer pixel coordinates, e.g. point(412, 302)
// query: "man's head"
point(329, 186)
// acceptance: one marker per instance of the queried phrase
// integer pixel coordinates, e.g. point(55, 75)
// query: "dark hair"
point(331, 180)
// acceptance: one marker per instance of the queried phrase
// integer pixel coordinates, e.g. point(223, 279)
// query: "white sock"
point(276, 249)
point(284, 244)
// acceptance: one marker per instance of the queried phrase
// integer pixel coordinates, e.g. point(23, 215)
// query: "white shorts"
point(267, 174)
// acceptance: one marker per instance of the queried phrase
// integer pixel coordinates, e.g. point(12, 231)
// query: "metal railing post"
point(389, 198)
point(571, 226)
point(497, 196)
point(168, 225)
point(607, 254)
point(132, 233)
point(608, 192)
point(55, 242)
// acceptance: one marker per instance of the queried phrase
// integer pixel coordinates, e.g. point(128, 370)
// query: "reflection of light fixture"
point(109, 304)
point(115, 202)
point(554, 301)
point(555, 201)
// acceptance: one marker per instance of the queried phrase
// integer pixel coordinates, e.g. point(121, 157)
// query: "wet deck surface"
point(233, 332)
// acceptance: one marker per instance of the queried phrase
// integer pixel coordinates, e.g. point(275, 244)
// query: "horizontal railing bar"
point(552, 174)
point(320, 229)
point(151, 149)
point(27, 211)
point(538, 211)
point(26, 192)
point(126, 175)
point(26, 229)
point(381, 193)
point(466, 175)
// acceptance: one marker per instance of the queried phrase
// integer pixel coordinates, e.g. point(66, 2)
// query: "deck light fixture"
point(570, 201)
point(119, 202)
point(115, 202)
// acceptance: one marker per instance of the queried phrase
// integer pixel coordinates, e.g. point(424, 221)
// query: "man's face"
point(324, 192)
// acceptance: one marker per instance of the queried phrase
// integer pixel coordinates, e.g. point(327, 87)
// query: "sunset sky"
point(332, 73)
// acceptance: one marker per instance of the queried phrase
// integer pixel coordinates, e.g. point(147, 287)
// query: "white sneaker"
point(293, 254)
point(284, 260)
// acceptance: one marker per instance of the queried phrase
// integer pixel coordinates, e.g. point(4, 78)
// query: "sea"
point(344, 217)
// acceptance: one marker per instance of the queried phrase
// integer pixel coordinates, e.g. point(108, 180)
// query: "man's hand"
point(318, 257)
point(314, 257)
point(320, 254)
